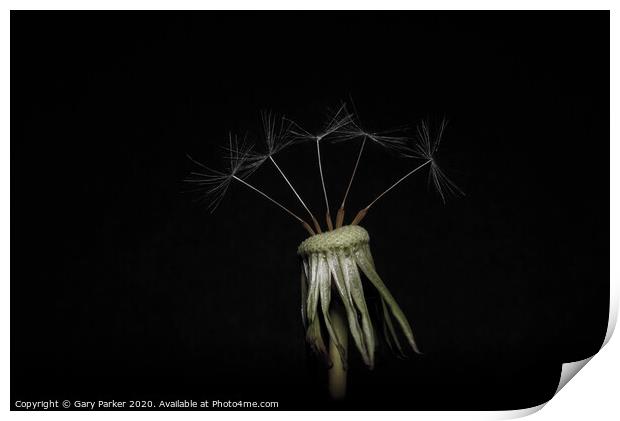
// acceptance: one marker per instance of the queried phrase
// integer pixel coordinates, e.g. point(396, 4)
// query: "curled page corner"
point(570, 369)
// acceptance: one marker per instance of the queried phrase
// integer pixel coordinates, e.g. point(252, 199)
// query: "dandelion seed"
point(425, 148)
point(277, 137)
point(354, 129)
point(337, 121)
point(215, 183)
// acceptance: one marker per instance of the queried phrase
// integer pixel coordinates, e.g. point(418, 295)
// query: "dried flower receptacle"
point(332, 262)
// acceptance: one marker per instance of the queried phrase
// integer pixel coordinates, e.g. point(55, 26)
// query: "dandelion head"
point(333, 262)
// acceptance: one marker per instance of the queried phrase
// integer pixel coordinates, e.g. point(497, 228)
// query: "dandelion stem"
point(337, 373)
point(316, 223)
point(275, 202)
point(328, 216)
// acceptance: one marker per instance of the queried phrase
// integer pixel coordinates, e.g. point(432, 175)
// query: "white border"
point(593, 395)
point(310, 5)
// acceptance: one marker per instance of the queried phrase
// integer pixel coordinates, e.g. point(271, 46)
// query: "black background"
point(124, 288)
